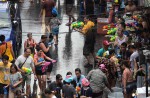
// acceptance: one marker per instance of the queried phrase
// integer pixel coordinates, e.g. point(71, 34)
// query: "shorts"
point(69, 9)
point(50, 67)
point(38, 70)
point(47, 20)
point(87, 49)
point(1, 88)
point(55, 31)
point(26, 79)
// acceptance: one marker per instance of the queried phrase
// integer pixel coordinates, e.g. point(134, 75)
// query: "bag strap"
point(5, 50)
point(23, 63)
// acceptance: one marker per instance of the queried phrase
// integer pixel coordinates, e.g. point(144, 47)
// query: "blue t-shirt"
point(78, 81)
point(101, 52)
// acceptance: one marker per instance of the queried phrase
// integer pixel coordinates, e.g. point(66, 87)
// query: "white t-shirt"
point(133, 56)
point(21, 59)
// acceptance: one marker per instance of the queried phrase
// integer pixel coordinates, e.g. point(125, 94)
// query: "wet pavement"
point(70, 44)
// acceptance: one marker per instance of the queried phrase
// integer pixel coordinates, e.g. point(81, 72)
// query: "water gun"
point(112, 31)
point(113, 38)
point(26, 70)
point(45, 66)
point(109, 26)
point(78, 89)
point(136, 17)
point(77, 24)
point(116, 1)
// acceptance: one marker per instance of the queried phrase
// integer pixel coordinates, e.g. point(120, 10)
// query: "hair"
point(13, 65)
point(2, 38)
point(78, 69)
point(5, 57)
point(123, 25)
point(29, 34)
point(112, 51)
point(124, 44)
point(48, 91)
point(58, 76)
point(126, 63)
point(69, 73)
point(27, 49)
point(38, 48)
point(131, 47)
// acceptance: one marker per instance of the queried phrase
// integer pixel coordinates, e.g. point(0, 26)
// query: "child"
point(15, 81)
point(55, 22)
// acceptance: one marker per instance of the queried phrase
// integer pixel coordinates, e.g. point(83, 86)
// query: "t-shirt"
point(101, 52)
point(21, 59)
point(56, 87)
point(14, 78)
point(4, 73)
point(86, 91)
point(68, 91)
point(8, 50)
point(48, 5)
point(133, 56)
point(78, 80)
point(54, 23)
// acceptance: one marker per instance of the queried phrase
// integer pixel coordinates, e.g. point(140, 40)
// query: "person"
point(89, 7)
point(15, 81)
point(127, 78)
point(30, 42)
point(98, 82)
point(54, 23)
point(26, 61)
point(122, 26)
point(130, 7)
point(101, 52)
point(39, 61)
point(46, 49)
point(4, 72)
point(78, 77)
point(89, 43)
point(86, 90)
point(49, 93)
point(68, 91)
point(56, 86)
point(19, 94)
point(47, 5)
point(6, 48)
point(69, 11)
point(125, 54)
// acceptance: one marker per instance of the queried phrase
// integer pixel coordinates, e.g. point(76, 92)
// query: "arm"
point(25, 44)
point(19, 82)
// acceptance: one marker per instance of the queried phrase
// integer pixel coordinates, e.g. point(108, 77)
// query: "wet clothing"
point(68, 91)
point(56, 87)
point(55, 22)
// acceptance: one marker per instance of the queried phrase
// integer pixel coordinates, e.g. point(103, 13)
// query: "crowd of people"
point(115, 63)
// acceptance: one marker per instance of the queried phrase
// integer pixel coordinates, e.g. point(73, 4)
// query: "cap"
point(102, 66)
point(68, 79)
point(43, 36)
point(106, 43)
point(85, 82)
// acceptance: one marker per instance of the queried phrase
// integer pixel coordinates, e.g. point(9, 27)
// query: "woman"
point(39, 60)
point(30, 42)
point(127, 78)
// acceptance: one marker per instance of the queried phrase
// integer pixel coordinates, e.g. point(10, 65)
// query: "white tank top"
point(122, 41)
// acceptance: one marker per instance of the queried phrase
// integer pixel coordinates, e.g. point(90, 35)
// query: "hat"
point(85, 82)
point(68, 79)
point(106, 43)
point(102, 66)
point(43, 36)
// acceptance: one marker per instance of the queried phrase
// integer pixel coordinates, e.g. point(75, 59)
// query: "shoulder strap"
point(23, 63)
point(5, 50)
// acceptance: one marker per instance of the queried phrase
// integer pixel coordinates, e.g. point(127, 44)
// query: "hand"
point(14, 86)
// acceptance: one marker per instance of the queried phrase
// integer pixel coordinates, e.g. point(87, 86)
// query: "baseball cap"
point(106, 43)
point(85, 82)
point(68, 79)
point(43, 36)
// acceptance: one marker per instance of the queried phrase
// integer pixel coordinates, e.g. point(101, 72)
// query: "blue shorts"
point(55, 31)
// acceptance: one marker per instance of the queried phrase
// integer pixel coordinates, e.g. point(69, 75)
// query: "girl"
point(15, 81)
point(55, 22)
point(39, 60)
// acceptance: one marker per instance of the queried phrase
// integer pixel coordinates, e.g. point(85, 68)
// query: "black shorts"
point(38, 70)
point(88, 48)
point(50, 67)
point(1, 88)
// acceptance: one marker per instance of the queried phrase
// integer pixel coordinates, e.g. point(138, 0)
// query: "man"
point(47, 6)
point(78, 77)
point(101, 52)
point(4, 72)
point(98, 82)
point(88, 31)
point(69, 11)
point(56, 86)
point(6, 49)
point(26, 61)
point(131, 7)
point(125, 54)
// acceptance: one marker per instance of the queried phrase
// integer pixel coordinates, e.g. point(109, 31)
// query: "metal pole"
point(146, 77)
